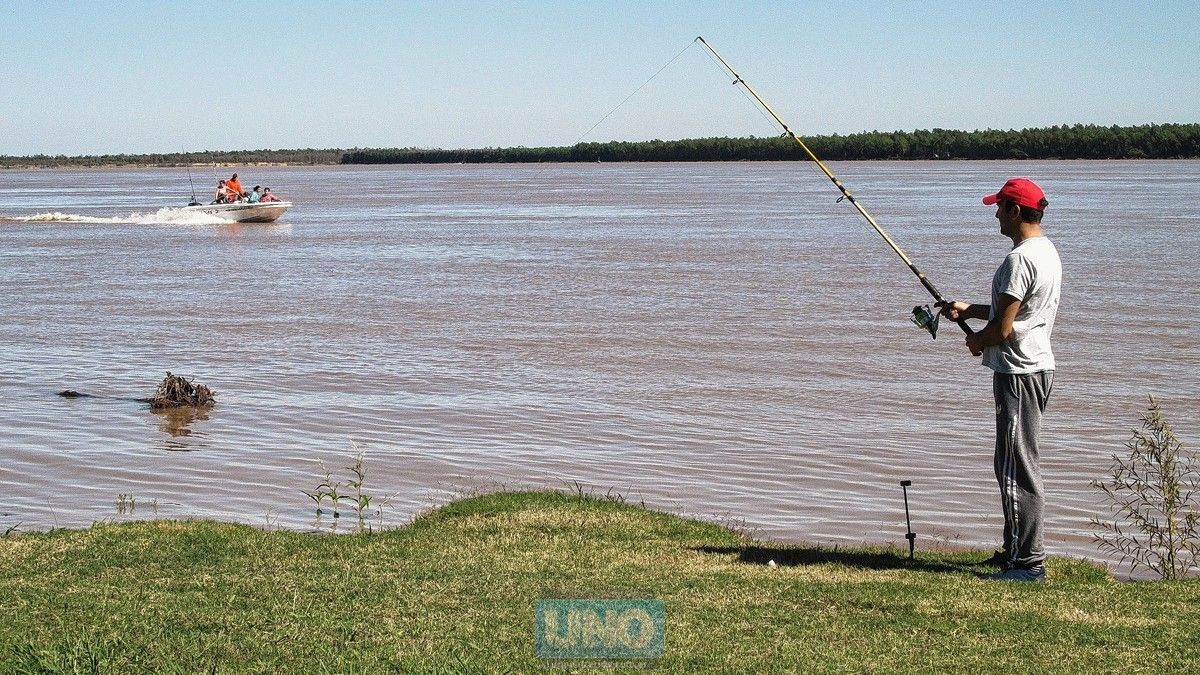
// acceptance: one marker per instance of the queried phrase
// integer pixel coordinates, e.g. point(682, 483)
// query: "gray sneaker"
point(1036, 574)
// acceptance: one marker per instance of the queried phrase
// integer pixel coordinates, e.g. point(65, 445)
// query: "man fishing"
point(1015, 344)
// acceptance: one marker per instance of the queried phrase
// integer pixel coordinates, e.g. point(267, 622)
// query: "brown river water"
point(716, 340)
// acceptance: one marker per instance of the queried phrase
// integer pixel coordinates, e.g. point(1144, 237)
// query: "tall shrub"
point(1154, 495)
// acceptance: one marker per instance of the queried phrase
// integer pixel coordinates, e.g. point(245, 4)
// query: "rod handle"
point(941, 302)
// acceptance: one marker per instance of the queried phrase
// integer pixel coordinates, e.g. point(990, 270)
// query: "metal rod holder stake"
point(910, 536)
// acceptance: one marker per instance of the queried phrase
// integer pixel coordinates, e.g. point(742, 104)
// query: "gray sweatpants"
point(1020, 401)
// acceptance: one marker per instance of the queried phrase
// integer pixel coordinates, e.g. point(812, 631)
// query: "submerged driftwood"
point(175, 391)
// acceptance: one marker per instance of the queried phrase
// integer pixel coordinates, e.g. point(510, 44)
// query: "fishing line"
point(923, 316)
point(635, 91)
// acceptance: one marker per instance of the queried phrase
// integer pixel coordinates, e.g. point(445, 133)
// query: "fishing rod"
point(923, 316)
point(193, 185)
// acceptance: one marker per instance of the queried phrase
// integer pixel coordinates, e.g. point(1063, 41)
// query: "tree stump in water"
point(175, 391)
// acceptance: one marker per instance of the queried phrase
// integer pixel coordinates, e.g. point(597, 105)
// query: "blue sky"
point(94, 77)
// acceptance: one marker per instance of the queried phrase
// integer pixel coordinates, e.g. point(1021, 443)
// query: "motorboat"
point(242, 212)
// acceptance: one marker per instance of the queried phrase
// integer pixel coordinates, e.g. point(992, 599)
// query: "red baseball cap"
point(1020, 191)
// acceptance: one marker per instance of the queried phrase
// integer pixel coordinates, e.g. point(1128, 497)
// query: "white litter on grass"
point(771, 563)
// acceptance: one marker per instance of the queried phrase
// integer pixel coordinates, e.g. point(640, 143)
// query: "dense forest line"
point(1150, 141)
point(207, 158)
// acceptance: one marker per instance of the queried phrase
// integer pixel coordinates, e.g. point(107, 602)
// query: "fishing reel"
point(926, 317)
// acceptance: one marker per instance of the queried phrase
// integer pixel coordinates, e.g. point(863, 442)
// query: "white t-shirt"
point(1031, 273)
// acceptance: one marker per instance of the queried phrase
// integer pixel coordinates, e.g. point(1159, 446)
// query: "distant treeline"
point(1151, 141)
point(1081, 141)
point(223, 157)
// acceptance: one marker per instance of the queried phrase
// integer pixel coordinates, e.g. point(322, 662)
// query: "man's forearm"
point(991, 334)
point(982, 312)
point(999, 328)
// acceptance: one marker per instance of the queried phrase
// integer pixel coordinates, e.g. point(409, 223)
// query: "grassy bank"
point(455, 590)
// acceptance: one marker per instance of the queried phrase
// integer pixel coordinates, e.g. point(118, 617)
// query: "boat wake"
point(163, 216)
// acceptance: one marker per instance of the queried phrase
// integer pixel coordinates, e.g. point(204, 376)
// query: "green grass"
point(455, 590)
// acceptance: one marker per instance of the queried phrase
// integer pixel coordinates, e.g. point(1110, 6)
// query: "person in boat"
point(268, 196)
point(224, 194)
point(235, 186)
point(255, 195)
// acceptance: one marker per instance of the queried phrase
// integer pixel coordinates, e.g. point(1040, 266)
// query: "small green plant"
point(326, 490)
point(361, 501)
point(1155, 494)
point(380, 505)
point(581, 492)
point(331, 490)
point(125, 503)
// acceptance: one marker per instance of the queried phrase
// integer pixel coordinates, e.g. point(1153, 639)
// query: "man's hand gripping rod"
point(923, 316)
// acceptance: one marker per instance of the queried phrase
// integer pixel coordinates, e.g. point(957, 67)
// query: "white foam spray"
point(163, 216)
